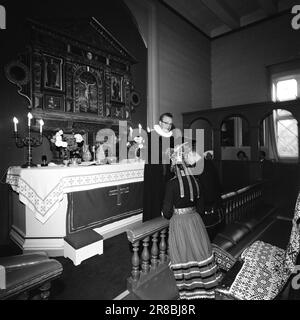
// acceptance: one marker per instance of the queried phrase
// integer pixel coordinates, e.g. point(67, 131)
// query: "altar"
point(49, 203)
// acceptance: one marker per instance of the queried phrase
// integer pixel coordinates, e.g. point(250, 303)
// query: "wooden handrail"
point(228, 195)
point(239, 203)
point(146, 229)
point(150, 227)
point(239, 191)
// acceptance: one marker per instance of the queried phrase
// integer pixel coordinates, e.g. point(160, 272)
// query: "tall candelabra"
point(28, 141)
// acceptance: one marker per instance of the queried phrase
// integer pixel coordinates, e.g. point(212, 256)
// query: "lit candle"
point(140, 129)
point(130, 132)
point(148, 129)
point(16, 121)
point(41, 126)
point(29, 119)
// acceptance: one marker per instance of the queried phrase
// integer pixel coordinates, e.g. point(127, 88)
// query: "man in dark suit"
point(157, 169)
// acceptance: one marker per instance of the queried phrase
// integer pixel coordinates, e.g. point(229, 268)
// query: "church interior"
point(73, 76)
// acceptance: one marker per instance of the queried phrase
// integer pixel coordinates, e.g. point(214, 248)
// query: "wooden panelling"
point(239, 61)
point(184, 67)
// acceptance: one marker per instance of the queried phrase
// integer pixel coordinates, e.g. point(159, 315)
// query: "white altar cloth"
point(42, 188)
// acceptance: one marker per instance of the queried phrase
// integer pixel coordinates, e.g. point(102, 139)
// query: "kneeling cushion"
point(81, 239)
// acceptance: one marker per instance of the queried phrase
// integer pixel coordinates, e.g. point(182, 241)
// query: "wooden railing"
point(241, 203)
point(148, 257)
point(149, 240)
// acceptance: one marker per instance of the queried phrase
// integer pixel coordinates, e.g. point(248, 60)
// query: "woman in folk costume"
point(192, 260)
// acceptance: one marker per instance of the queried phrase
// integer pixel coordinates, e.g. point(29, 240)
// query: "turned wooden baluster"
point(238, 208)
point(232, 206)
point(242, 209)
point(145, 256)
point(235, 208)
point(243, 214)
point(248, 204)
point(227, 212)
point(251, 200)
point(163, 246)
point(232, 210)
point(245, 205)
point(135, 260)
point(154, 251)
point(260, 196)
point(254, 198)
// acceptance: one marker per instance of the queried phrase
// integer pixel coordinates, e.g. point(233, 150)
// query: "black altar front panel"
point(99, 207)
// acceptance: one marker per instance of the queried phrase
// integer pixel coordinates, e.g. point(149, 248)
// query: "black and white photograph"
point(150, 152)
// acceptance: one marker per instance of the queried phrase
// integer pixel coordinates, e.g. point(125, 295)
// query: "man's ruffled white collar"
point(159, 130)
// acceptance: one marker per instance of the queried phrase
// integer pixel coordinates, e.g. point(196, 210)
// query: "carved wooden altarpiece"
point(76, 75)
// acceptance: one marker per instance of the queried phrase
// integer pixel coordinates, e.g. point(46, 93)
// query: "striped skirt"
point(192, 260)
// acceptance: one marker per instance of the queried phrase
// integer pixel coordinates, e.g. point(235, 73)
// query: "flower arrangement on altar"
point(70, 145)
point(139, 142)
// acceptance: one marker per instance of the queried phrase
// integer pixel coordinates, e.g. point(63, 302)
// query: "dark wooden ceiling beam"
point(223, 12)
point(188, 13)
point(268, 6)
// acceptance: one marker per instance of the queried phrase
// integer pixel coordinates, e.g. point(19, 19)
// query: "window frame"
point(275, 79)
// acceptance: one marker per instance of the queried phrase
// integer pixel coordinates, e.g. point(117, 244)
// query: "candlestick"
point(16, 121)
point(29, 115)
point(41, 126)
point(94, 153)
point(29, 142)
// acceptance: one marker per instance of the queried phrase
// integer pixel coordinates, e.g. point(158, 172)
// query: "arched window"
point(285, 87)
point(286, 134)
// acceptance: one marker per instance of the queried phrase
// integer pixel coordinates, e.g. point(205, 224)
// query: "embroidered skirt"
point(192, 260)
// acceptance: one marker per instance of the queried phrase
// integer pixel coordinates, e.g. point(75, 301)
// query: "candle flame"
point(42, 122)
point(15, 120)
point(29, 115)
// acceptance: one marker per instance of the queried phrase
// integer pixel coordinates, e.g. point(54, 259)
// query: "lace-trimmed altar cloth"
point(266, 268)
point(42, 189)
